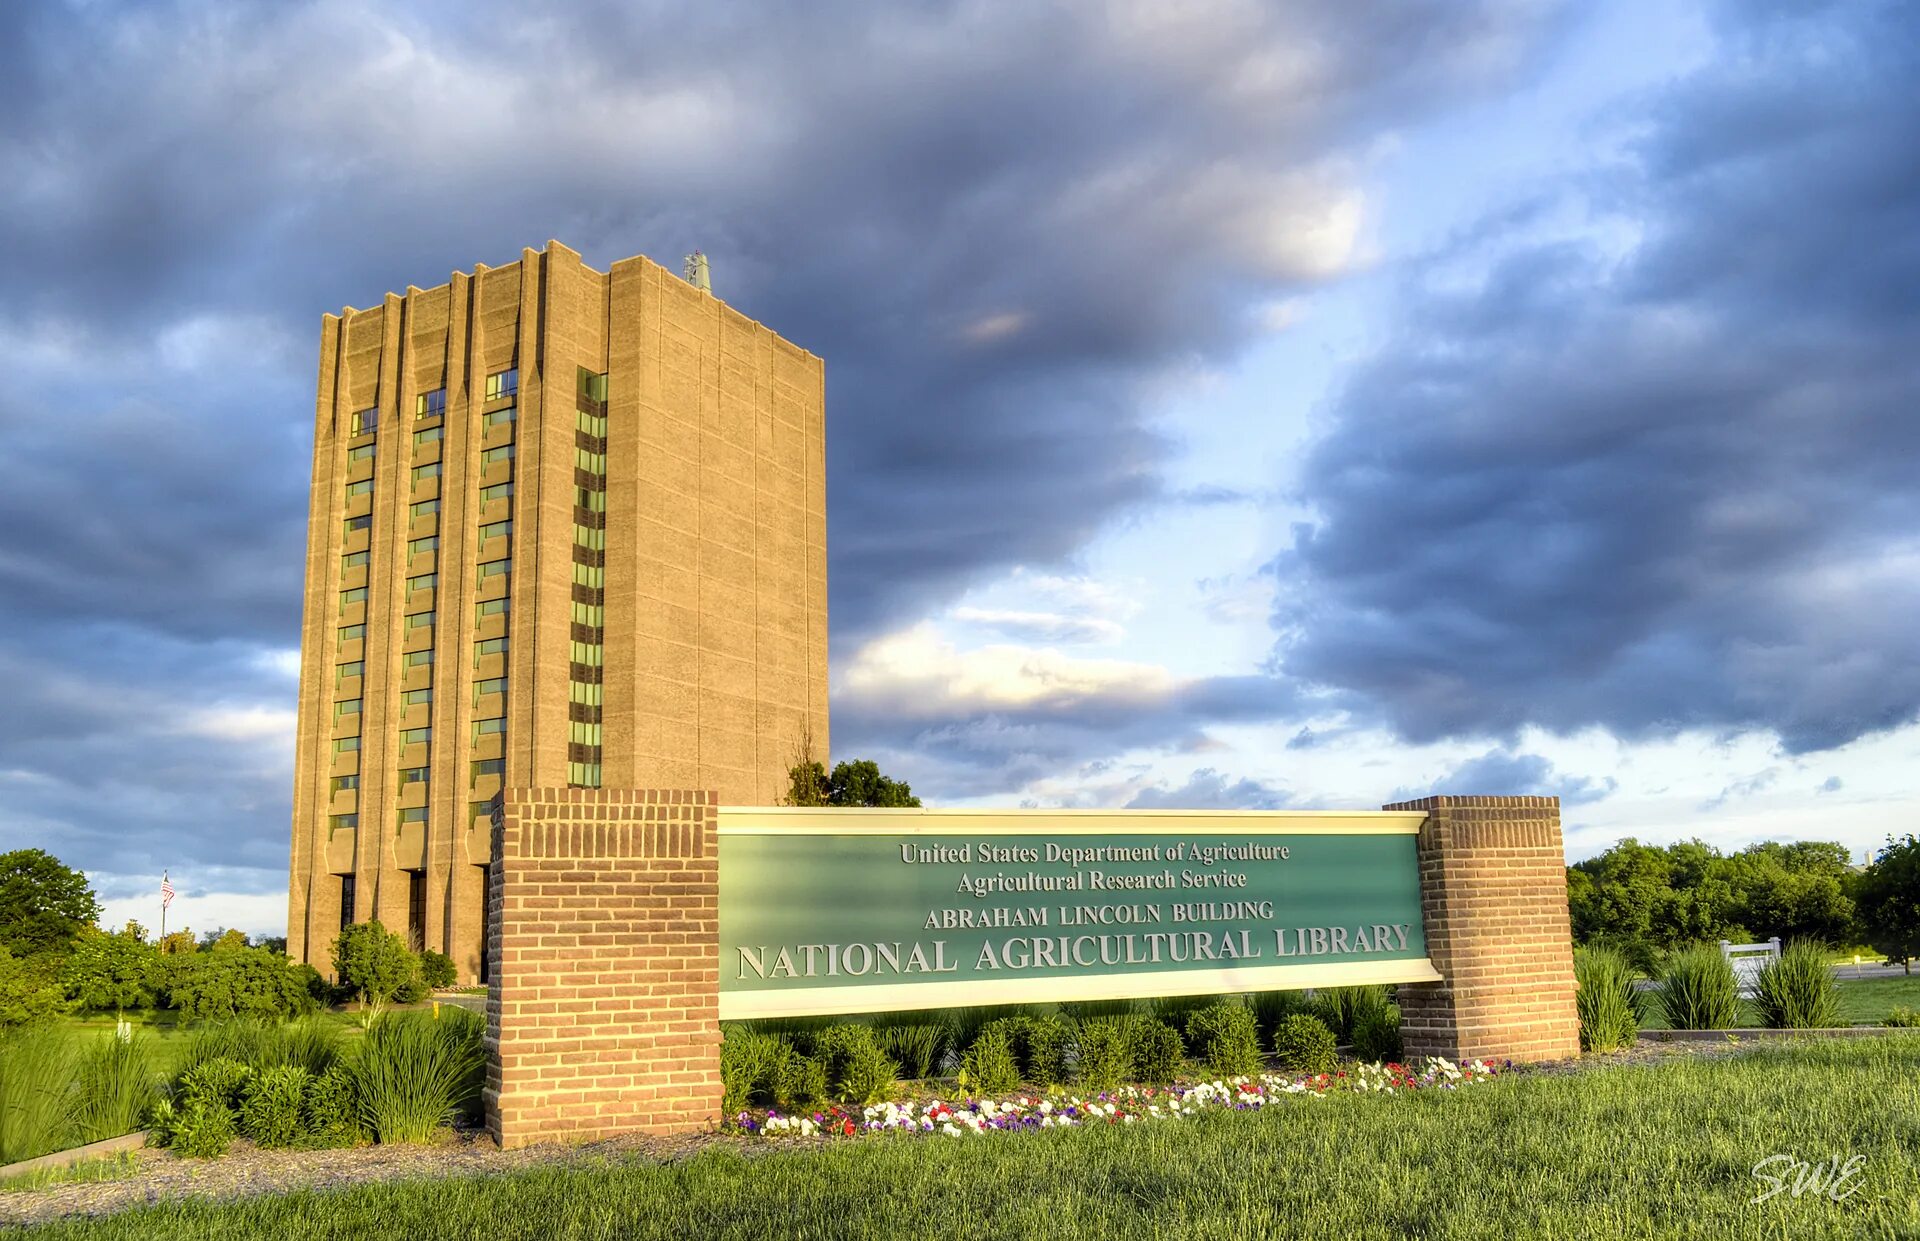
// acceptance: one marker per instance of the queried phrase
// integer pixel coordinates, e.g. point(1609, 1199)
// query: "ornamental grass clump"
point(1376, 1035)
point(1698, 990)
point(36, 1068)
point(917, 1046)
point(1226, 1039)
point(1795, 991)
point(115, 1087)
point(1304, 1044)
point(1608, 1005)
point(1902, 1018)
point(1341, 1008)
point(415, 1073)
point(750, 1065)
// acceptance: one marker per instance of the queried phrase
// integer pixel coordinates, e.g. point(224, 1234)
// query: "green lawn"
point(1665, 1149)
point(1862, 1001)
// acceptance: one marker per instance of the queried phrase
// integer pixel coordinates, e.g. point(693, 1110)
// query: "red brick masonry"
point(1493, 888)
point(603, 937)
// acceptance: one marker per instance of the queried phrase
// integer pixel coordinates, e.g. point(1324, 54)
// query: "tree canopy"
point(1654, 897)
point(1888, 895)
point(858, 783)
point(44, 903)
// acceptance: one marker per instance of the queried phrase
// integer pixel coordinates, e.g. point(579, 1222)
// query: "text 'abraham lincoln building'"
point(567, 527)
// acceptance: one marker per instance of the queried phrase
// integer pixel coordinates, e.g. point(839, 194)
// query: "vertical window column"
point(493, 578)
point(588, 634)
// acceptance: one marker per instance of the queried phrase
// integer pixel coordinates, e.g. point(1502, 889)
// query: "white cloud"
point(920, 668)
point(1041, 626)
point(270, 724)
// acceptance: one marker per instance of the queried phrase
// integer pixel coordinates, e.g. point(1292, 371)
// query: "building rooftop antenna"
point(697, 273)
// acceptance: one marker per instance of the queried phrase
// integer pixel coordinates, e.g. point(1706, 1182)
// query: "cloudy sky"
point(1230, 403)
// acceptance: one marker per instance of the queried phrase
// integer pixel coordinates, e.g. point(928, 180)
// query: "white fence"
point(1747, 960)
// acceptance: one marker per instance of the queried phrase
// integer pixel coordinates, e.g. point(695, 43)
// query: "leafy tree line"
point(1648, 899)
point(54, 960)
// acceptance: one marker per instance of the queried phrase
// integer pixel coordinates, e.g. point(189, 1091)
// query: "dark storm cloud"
point(1502, 773)
point(997, 224)
point(1662, 487)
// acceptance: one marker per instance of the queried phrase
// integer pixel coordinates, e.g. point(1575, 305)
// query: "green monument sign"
point(843, 911)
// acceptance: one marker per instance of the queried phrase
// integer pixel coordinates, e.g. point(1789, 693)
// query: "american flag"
point(166, 890)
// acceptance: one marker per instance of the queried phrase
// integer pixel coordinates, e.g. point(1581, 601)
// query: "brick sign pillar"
point(1493, 888)
point(603, 937)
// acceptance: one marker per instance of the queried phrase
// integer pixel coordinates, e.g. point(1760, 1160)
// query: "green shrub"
point(201, 1128)
point(749, 1067)
point(917, 1046)
point(1902, 1018)
point(330, 1114)
point(1608, 1005)
point(271, 1115)
point(1796, 991)
point(858, 1072)
point(990, 1066)
point(1304, 1044)
point(437, 969)
point(1225, 1038)
point(1698, 990)
point(1270, 1008)
point(36, 1072)
point(1376, 1035)
point(116, 1086)
point(802, 1081)
point(1106, 1051)
point(415, 1073)
point(1156, 1050)
point(236, 982)
point(1041, 1044)
point(219, 1081)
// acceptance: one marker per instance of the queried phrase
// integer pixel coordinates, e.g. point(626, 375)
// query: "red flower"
point(846, 1127)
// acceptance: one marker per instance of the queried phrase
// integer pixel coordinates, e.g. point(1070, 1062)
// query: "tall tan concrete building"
point(566, 527)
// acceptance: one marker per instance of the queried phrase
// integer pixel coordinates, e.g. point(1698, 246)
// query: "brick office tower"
point(567, 527)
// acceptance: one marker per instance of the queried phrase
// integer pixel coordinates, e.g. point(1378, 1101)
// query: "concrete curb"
point(1721, 1036)
point(77, 1154)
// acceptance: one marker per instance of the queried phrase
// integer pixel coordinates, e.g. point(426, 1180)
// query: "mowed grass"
point(1863, 1001)
point(1664, 1149)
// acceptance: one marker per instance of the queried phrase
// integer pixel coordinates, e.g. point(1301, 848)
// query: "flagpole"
point(163, 907)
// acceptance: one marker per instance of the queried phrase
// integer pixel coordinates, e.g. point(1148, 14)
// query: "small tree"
point(28, 990)
point(374, 962)
point(44, 903)
point(1887, 897)
point(114, 971)
point(858, 783)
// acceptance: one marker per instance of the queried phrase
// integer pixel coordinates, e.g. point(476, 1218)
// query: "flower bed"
point(1125, 1106)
